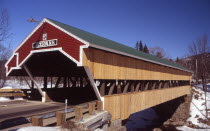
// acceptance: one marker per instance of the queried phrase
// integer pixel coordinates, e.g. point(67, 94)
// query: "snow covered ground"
point(37, 128)
point(13, 84)
point(186, 128)
point(198, 107)
point(17, 84)
point(198, 111)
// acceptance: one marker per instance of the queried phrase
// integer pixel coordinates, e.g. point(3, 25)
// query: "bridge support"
point(90, 76)
point(36, 84)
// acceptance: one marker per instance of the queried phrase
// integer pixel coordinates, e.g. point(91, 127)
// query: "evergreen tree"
point(137, 45)
point(177, 59)
point(145, 49)
point(141, 46)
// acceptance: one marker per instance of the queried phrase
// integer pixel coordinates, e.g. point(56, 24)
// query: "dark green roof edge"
point(104, 42)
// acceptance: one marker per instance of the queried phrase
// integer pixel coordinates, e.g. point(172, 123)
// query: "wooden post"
point(78, 113)
point(147, 86)
point(27, 82)
point(61, 117)
point(111, 89)
point(37, 121)
point(119, 88)
point(32, 85)
point(137, 87)
point(31, 76)
point(153, 85)
point(90, 76)
point(161, 85)
point(126, 87)
point(46, 98)
point(91, 108)
point(64, 82)
point(81, 82)
point(132, 88)
point(58, 81)
point(102, 89)
point(45, 82)
point(73, 81)
point(51, 81)
point(142, 86)
point(99, 105)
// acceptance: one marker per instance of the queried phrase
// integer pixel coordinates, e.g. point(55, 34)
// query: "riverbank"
point(199, 119)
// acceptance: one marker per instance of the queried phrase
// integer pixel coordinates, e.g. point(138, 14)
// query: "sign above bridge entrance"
point(47, 43)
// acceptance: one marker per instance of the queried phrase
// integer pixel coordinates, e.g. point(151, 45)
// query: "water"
point(153, 117)
point(144, 120)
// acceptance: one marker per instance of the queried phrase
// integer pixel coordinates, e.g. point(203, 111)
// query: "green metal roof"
point(103, 42)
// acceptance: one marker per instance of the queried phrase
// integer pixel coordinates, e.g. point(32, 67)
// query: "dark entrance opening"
point(63, 79)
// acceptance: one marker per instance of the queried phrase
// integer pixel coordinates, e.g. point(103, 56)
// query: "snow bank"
point(198, 108)
point(13, 84)
point(185, 128)
point(4, 99)
point(37, 128)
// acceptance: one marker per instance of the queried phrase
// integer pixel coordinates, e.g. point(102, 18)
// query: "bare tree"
point(200, 56)
point(199, 53)
point(159, 52)
point(4, 45)
point(4, 25)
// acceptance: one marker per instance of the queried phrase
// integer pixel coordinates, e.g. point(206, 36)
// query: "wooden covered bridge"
point(89, 67)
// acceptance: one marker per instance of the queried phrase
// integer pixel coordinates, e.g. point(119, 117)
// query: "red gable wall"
point(69, 44)
point(13, 62)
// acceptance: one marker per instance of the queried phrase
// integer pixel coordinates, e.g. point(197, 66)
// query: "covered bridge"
point(92, 67)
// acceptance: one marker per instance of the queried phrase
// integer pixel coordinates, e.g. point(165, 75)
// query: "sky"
point(170, 24)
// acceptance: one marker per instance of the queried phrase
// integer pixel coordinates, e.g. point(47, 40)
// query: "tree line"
point(157, 51)
point(139, 46)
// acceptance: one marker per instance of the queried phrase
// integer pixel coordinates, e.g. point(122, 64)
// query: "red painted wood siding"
point(13, 62)
point(70, 45)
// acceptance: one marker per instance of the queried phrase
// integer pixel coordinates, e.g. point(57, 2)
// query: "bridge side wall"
point(122, 105)
point(107, 65)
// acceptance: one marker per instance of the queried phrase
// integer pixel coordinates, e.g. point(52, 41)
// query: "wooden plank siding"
point(122, 105)
point(107, 65)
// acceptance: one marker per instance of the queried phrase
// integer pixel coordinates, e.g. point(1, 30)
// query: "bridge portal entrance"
point(61, 78)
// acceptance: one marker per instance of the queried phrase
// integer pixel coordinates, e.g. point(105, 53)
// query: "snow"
point(37, 128)
point(4, 99)
point(13, 84)
point(198, 109)
point(185, 128)
point(17, 84)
